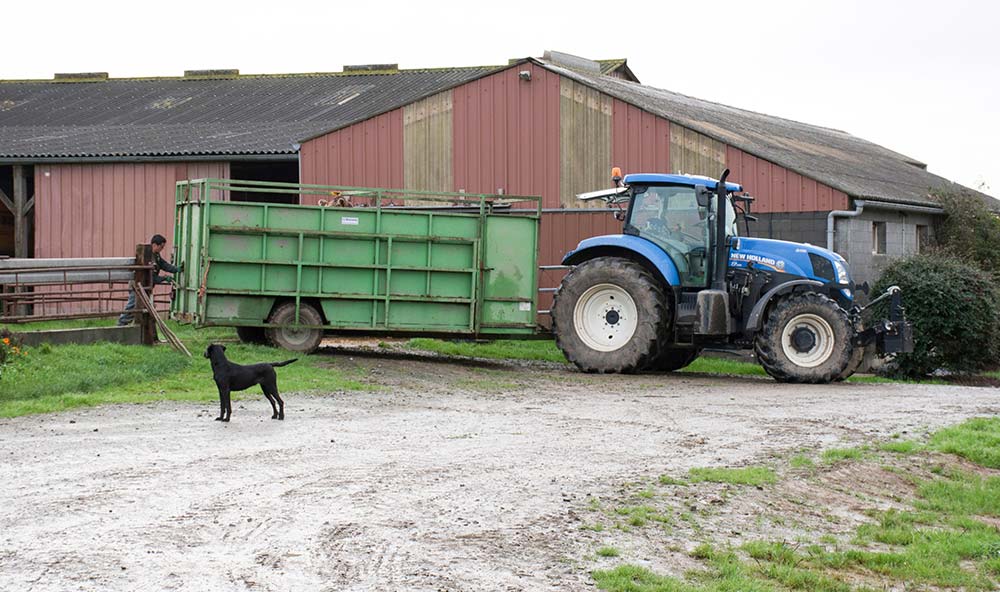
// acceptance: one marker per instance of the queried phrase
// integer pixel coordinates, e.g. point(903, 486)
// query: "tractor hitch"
point(892, 335)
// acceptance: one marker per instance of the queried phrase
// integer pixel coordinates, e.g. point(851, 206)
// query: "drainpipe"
point(859, 206)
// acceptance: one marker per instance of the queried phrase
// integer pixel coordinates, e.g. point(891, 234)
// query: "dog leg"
point(281, 404)
point(222, 405)
point(227, 404)
point(270, 399)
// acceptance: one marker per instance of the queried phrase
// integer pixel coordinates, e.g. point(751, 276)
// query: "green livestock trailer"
point(365, 261)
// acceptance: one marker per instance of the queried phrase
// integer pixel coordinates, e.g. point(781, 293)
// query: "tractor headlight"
point(841, 270)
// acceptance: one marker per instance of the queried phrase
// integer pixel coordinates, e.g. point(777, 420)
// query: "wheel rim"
point(296, 337)
point(807, 340)
point(605, 317)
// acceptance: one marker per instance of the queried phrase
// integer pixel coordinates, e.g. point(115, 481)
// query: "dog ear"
point(223, 347)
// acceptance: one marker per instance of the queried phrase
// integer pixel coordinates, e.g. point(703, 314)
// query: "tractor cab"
point(677, 214)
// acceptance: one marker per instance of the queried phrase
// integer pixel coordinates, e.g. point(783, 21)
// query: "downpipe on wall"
point(860, 207)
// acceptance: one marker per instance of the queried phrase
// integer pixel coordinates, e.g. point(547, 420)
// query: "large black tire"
point(252, 335)
point(806, 338)
point(609, 315)
point(671, 359)
point(283, 334)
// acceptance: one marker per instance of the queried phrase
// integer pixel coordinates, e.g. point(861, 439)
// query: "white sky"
point(919, 77)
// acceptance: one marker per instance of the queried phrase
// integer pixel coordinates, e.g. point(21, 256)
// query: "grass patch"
point(642, 515)
point(901, 446)
point(801, 461)
point(757, 476)
point(543, 350)
point(977, 440)
point(709, 365)
point(60, 377)
point(835, 455)
point(947, 537)
point(608, 552)
point(668, 480)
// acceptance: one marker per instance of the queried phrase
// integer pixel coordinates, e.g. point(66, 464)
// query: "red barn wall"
point(367, 154)
point(506, 134)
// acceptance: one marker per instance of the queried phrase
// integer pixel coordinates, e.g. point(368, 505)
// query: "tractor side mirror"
point(703, 195)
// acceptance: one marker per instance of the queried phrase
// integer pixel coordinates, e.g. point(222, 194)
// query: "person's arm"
point(168, 267)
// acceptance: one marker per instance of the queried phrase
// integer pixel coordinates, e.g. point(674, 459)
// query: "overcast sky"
point(919, 77)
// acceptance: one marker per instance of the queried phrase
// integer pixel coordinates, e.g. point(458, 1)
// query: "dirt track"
point(453, 477)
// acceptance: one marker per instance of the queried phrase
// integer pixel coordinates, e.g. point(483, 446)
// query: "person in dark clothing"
point(158, 242)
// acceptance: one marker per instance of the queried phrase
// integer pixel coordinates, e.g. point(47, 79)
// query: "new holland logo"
point(775, 264)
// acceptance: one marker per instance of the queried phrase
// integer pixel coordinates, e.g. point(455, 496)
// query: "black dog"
point(233, 377)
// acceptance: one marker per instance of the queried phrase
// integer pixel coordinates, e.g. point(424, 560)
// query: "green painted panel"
point(349, 220)
point(310, 249)
point(510, 254)
point(408, 283)
point(239, 308)
point(505, 313)
point(452, 255)
point(347, 281)
point(349, 251)
point(403, 315)
point(235, 246)
point(414, 224)
point(236, 214)
point(409, 254)
point(310, 279)
point(348, 312)
point(279, 278)
point(455, 226)
point(451, 285)
point(291, 218)
point(281, 248)
point(234, 276)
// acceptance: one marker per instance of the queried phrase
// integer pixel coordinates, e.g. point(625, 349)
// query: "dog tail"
point(285, 363)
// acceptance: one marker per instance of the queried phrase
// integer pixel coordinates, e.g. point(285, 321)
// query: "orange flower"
point(6, 341)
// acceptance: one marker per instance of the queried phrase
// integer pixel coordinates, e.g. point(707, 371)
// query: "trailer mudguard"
point(753, 321)
point(624, 244)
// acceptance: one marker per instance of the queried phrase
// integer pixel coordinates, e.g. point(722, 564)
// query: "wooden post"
point(23, 205)
point(144, 278)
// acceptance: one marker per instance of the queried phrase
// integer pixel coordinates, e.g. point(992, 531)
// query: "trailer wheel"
point(609, 315)
point(283, 334)
point(806, 338)
point(673, 359)
point(253, 335)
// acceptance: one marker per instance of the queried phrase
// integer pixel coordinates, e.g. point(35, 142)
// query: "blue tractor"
point(680, 278)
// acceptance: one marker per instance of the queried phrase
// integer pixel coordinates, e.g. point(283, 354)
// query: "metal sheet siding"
point(695, 154)
point(778, 189)
point(640, 141)
point(105, 210)
point(585, 142)
point(506, 134)
point(369, 153)
point(427, 144)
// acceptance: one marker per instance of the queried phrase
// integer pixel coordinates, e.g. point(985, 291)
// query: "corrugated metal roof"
point(199, 116)
point(853, 165)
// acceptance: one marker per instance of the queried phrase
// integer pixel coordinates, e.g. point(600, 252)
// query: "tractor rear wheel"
point(284, 334)
point(806, 338)
point(672, 359)
point(609, 315)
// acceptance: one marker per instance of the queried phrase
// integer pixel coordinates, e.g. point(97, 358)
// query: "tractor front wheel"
point(609, 315)
point(806, 338)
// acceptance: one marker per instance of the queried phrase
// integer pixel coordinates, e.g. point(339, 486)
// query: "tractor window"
point(670, 217)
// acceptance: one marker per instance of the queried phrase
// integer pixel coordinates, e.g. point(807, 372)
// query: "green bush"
point(953, 308)
point(969, 230)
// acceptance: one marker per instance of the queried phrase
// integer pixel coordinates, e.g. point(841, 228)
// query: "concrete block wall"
point(798, 227)
point(853, 239)
point(852, 236)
